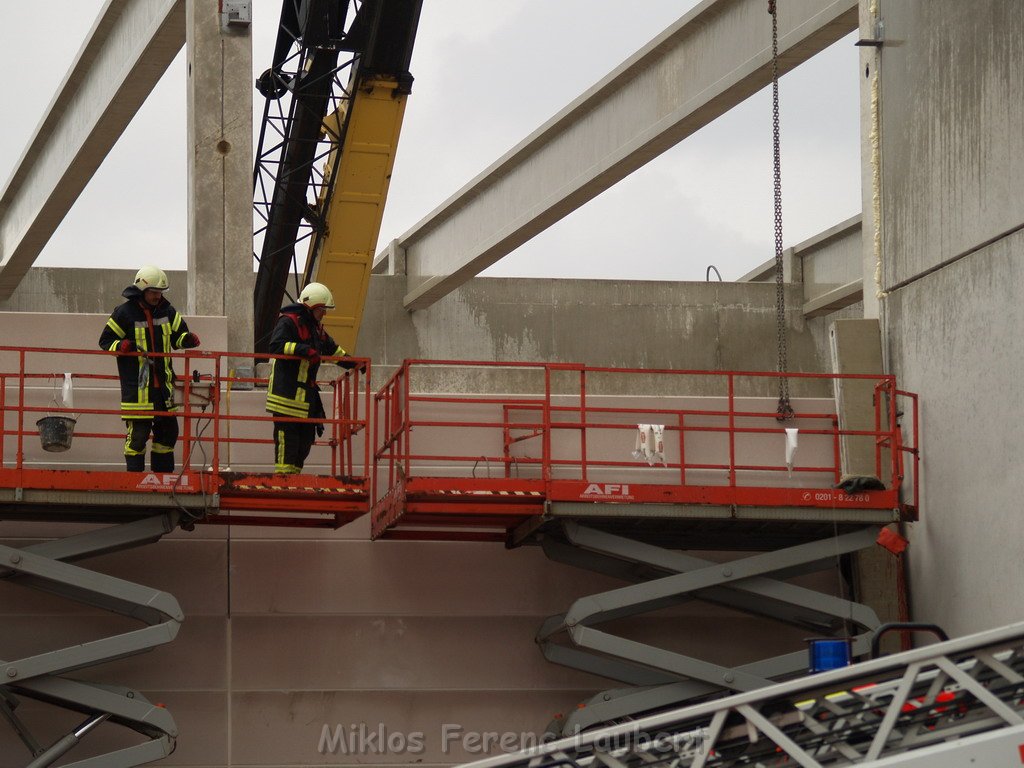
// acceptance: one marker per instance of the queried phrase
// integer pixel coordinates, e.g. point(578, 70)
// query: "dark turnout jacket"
point(292, 390)
point(151, 329)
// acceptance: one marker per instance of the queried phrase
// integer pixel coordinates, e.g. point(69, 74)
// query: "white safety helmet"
point(317, 295)
point(151, 277)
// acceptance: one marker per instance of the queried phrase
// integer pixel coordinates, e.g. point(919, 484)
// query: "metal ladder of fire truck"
point(949, 705)
point(47, 567)
point(659, 678)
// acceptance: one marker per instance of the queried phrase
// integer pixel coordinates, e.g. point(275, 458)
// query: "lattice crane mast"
point(335, 99)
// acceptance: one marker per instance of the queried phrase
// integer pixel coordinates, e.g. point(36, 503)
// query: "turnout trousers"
point(165, 435)
point(292, 443)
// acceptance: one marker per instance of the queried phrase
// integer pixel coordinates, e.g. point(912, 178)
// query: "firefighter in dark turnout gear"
point(146, 323)
point(292, 391)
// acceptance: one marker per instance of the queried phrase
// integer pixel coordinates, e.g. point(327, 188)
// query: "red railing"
point(205, 389)
point(719, 441)
point(559, 427)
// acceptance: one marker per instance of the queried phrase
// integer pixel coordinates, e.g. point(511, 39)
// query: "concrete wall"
point(695, 326)
point(953, 262)
point(287, 635)
point(685, 326)
point(55, 289)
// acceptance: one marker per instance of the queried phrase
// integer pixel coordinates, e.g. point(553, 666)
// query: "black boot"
point(135, 463)
point(162, 462)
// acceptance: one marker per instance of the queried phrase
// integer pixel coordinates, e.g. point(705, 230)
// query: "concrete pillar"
point(857, 348)
point(220, 273)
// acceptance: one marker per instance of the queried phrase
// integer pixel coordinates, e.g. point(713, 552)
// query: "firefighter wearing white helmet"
point(316, 295)
point(150, 277)
point(292, 392)
point(145, 324)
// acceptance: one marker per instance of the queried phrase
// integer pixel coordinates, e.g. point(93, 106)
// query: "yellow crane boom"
point(361, 170)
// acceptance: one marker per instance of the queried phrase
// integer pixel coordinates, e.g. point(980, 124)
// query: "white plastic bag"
point(67, 393)
point(650, 443)
point(657, 445)
point(791, 444)
point(642, 447)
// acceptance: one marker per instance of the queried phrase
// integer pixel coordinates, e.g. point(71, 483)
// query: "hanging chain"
point(784, 410)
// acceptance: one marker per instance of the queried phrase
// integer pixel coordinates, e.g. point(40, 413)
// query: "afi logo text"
point(608, 489)
point(163, 481)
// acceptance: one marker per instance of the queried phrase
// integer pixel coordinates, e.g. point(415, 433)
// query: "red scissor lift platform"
point(504, 467)
point(37, 484)
point(524, 453)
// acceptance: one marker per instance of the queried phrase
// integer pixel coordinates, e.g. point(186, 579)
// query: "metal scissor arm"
point(663, 577)
point(46, 567)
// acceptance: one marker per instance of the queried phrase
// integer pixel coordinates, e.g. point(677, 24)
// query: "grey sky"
point(487, 74)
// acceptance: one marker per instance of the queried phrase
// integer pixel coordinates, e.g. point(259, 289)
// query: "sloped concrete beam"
point(707, 62)
point(128, 49)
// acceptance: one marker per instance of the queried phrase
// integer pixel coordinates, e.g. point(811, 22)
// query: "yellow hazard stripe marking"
point(312, 489)
point(460, 492)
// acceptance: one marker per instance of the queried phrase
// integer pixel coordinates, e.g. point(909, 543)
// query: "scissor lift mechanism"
point(659, 678)
point(47, 567)
point(953, 704)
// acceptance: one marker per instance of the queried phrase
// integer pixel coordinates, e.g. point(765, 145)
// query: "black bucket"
point(55, 432)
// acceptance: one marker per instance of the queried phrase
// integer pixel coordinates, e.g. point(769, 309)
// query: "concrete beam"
point(128, 49)
point(834, 300)
point(765, 271)
point(707, 62)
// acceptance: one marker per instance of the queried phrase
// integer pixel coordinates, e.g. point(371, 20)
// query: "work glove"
point(190, 341)
point(126, 345)
point(319, 430)
point(312, 355)
point(347, 362)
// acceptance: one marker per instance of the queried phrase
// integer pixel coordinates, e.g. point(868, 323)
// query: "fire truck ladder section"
point(47, 567)
point(947, 705)
point(552, 465)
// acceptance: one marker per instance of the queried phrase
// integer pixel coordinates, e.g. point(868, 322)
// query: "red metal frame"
point(295, 500)
point(421, 491)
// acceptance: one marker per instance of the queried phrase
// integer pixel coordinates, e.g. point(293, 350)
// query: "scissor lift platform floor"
point(518, 511)
point(726, 534)
point(224, 497)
